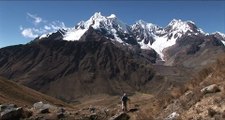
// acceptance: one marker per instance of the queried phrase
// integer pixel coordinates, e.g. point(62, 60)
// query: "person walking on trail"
point(124, 100)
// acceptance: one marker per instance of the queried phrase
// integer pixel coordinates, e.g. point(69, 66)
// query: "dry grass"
point(177, 92)
point(11, 92)
point(212, 74)
point(215, 71)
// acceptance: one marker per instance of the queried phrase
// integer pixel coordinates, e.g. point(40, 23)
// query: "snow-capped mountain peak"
point(144, 33)
point(221, 34)
point(73, 34)
point(150, 36)
point(97, 15)
point(147, 35)
point(148, 26)
point(141, 22)
point(110, 25)
point(181, 26)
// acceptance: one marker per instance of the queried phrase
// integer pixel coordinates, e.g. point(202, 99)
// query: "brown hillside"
point(11, 92)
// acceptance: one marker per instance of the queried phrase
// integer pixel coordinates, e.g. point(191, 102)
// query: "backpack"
point(124, 98)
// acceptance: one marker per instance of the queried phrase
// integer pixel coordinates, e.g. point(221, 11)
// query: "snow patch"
point(74, 34)
point(161, 43)
point(45, 35)
point(223, 42)
point(221, 34)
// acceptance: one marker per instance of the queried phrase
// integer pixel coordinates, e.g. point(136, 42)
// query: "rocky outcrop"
point(172, 116)
point(210, 89)
point(12, 112)
point(43, 108)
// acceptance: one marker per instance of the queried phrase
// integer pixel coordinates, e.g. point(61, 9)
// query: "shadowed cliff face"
point(68, 70)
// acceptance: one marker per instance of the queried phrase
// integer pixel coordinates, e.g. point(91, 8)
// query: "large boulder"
point(7, 106)
point(172, 116)
point(10, 112)
point(43, 108)
point(210, 89)
point(60, 113)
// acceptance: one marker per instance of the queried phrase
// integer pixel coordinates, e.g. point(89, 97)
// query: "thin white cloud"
point(21, 27)
point(47, 27)
point(37, 19)
point(38, 29)
point(28, 33)
point(55, 25)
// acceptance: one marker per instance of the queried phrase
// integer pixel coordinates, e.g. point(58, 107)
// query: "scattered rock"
point(210, 89)
point(172, 116)
point(92, 109)
point(93, 117)
point(61, 110)
point(60, 115)
point(189, 94)
point(43, 108)
point(37, 117)
point(120, 116)
point(211, 112)
point(38, 105)
point(41, 105)
point(7, 106)
point(77, 113)
point(223, 114)
point(12, 112)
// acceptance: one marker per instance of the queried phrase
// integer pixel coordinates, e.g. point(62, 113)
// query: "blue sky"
point(19, 19)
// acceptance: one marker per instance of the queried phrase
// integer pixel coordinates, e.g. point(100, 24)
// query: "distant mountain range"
point(103, 55)
point(146, 35)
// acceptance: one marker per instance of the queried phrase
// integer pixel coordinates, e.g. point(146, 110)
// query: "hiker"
point(124, 100)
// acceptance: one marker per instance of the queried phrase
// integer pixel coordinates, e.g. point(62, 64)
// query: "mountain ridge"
point(146, 35)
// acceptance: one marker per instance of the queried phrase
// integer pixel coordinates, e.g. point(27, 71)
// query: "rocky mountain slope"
point(194, 51)
point(85, 67)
